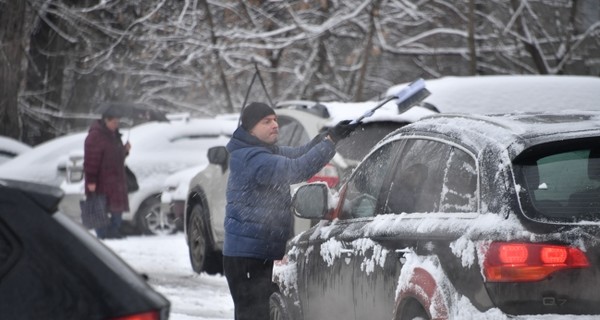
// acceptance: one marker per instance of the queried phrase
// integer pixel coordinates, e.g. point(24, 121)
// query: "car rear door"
point(427, 179)
point(326, 274)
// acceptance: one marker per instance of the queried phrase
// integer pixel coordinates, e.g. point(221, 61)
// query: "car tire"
point(202, 255)
point(278, 308)
point(151, 221)
point(413, 310)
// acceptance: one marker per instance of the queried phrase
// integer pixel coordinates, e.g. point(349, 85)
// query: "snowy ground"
point(165, 260)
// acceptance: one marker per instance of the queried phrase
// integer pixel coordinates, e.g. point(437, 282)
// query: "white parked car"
point(10, 148)
point(172, 199)
point(45, 163)
point(158, 149)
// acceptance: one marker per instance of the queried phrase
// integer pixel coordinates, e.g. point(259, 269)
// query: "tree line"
point(60, 58)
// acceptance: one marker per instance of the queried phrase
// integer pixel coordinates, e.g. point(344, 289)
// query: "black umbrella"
point(133, 111)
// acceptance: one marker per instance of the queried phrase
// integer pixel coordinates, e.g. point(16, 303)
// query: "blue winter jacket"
point(258, 218)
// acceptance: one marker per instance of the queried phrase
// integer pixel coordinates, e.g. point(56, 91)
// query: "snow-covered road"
point(164, 259)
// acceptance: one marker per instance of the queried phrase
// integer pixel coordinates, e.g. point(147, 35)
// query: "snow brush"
point(409, 96)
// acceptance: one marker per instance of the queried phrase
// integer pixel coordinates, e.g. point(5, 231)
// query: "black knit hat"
point(253, 113)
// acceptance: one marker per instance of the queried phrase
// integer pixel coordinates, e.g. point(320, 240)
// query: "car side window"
point(291, 132)
point(418, 178)
point(363, 188)
point(460, 183)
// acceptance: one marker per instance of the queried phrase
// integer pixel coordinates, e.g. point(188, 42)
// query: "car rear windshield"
point(562, 183)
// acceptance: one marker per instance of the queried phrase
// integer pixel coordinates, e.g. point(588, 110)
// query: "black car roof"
point(515, 131)
point(46, 196)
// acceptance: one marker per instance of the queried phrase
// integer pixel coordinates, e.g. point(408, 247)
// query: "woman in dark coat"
point(104, 167)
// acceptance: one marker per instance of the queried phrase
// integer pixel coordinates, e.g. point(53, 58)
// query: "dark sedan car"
point(455, 217)
point(52, 268)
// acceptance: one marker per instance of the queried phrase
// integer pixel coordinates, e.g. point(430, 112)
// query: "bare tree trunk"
point(13, 46)
point(530, 47)
point(275, 58)
point(367, 52)
point(213, 39)
point(471, 39)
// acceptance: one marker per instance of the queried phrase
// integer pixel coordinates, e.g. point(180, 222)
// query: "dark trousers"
point(250, 285)
point(111, 230)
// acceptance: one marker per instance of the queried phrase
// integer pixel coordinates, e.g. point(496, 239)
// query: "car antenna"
point(409, 96)
point(256, 75)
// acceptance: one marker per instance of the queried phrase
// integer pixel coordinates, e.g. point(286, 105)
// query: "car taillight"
point(151, 315)
point(328, 175)
point(522, 262)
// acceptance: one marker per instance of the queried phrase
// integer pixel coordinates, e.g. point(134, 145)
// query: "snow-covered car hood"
point(41, 164)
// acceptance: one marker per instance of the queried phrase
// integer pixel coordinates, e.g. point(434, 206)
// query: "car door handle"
point(402, 252)
point(347, 251)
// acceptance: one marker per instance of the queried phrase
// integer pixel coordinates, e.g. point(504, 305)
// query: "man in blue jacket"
point(258, 218)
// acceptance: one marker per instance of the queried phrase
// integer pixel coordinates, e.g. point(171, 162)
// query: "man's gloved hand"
point(342, 130)
point(318, 138)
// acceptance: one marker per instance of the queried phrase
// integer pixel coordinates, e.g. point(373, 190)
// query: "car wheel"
point(278, 307)
point(202, 256)
point(151, 221)
point(414, 311)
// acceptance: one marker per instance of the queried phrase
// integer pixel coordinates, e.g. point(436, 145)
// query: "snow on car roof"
point(336, 111)
point(151, 133)
point(512, 93)
point(12, 145)
point(388, 112)
point(518, 129)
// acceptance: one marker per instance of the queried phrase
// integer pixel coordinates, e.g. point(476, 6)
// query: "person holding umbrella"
point(104, 168)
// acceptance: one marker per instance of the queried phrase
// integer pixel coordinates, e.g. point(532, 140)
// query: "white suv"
point(299, 122)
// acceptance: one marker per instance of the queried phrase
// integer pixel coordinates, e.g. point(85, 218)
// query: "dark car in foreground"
point(455, 217)
point(52, 268)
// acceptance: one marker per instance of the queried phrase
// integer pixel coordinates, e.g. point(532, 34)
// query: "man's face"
point(266, 130)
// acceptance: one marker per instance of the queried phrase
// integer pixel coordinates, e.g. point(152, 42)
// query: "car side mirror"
point(219, 156)
point(311, 201)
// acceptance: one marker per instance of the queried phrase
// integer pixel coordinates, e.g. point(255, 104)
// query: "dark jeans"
point(250, 285)
point(113, 229)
